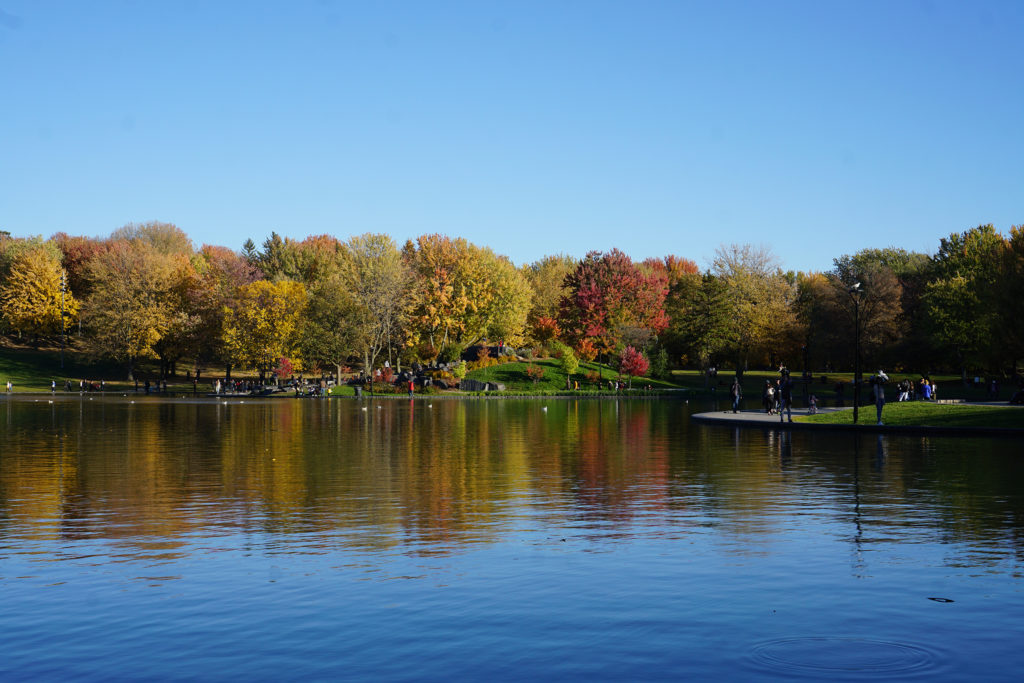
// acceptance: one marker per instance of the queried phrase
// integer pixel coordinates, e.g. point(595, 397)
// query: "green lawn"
point(950, 386)
point(32, 369)
point(919, 414)
point(515, 379)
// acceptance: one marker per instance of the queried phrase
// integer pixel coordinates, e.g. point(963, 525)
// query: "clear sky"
point(817, 128)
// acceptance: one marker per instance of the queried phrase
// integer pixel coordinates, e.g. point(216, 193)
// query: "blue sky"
point(817, 128)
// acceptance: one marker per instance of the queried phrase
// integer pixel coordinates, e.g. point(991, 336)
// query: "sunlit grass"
point(514, 377)
point(921, 414)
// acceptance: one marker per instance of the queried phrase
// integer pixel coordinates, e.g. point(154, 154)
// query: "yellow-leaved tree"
point(133, 300)
point(31, 297)
point(264, 325)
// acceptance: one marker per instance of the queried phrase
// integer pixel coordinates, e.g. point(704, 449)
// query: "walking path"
point(761, 419)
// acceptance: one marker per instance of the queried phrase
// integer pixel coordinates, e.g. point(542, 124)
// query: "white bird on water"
point(545, 409)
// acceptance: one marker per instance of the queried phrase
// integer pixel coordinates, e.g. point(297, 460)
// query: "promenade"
point(762, 420)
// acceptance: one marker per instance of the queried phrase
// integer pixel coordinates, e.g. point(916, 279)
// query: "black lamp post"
point(855, 292)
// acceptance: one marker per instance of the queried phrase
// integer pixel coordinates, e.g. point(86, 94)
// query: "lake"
point(477, 539)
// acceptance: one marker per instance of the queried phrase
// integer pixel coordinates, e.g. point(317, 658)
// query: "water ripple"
point(836, 656)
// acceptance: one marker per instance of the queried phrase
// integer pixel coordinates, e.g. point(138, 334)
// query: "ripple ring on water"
point(836, 655)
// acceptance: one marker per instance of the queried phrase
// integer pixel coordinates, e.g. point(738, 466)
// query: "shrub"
point(535, 372)
point(482, 353)
point(450, 353)
point(459, 371)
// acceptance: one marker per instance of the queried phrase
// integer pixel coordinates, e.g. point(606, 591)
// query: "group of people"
point(924, 390)
point(777, 397)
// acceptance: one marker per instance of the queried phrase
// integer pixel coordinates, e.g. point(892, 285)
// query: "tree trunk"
point(227, 372)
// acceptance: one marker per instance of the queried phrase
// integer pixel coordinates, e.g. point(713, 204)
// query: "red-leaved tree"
point(633, 364)
point(608, 294)
point(284, 368)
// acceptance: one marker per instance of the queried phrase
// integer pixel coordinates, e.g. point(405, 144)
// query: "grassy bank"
point(921, 414)
point(553, 381)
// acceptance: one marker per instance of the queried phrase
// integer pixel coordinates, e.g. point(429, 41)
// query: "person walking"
point(736, 392)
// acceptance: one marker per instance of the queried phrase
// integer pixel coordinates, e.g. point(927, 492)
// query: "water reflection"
point(433, 477)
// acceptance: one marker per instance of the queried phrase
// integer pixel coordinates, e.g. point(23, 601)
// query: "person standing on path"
point(878, 387)
point(785, 396)
point(736, 392)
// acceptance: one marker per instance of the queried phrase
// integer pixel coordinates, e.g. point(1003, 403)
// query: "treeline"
point(145, 292)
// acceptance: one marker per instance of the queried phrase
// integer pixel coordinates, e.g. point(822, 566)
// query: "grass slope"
point(921, 414)
point(515, 379)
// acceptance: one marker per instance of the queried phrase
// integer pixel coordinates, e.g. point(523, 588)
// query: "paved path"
point(763, 419)
point(759, 418)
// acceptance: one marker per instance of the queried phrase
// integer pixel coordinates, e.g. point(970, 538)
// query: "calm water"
point(496, 540)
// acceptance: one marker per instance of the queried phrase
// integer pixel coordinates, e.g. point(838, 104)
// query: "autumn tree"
point(133, 299)
point(307, 261)
point(330, 327)
point(546, 278)
point(265, 325)
point(606, 295)
point(214, 286)
point(77, 252)
point(633, 364)
point(461, 294)
point(380, 281)
point(759, 299)
point(684, 283)
point(31, 297)
point(164, 238)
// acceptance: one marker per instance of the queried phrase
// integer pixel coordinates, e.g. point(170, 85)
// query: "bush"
point(535, 372)
point(459, 371)
point(450, 353)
